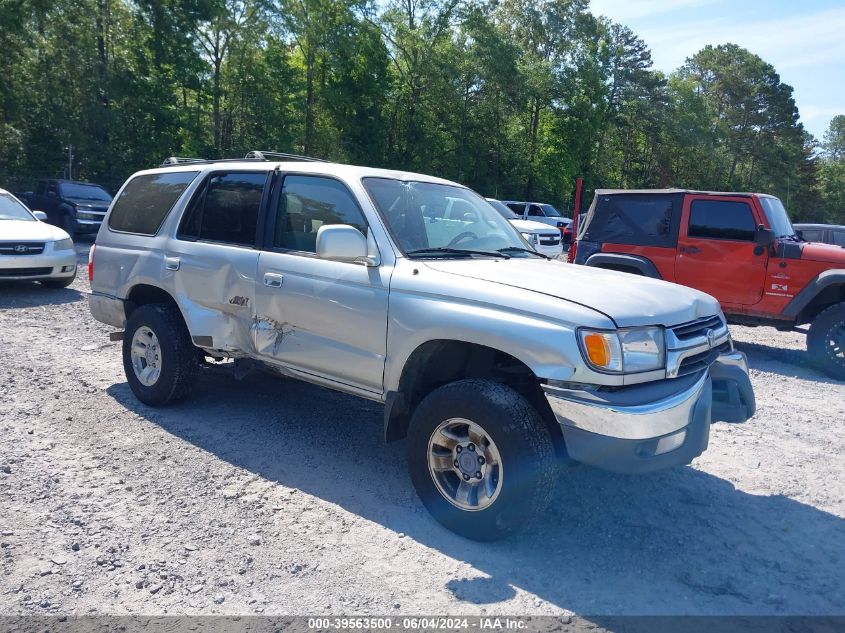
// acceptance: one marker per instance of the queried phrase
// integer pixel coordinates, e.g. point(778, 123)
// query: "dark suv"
point(824, 233)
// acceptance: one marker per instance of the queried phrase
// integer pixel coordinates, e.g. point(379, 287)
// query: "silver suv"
point(495, 363)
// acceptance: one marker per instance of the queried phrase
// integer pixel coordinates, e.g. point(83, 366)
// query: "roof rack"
point(254, 155)
point(265, 155)
point(181, 160)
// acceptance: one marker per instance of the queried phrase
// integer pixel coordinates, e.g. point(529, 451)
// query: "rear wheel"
point(481, 459)
point(159, 359)
point(826, 340)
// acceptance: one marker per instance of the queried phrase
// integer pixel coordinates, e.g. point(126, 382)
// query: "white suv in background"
point(542, 237)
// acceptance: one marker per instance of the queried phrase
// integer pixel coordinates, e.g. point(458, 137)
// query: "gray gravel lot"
point(278, 497)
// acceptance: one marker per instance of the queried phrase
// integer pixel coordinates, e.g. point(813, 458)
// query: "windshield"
point(501, 208)
point(11, 209)
point(777, 217)
point(84, 192)
point(550, 212)
point(422, 216)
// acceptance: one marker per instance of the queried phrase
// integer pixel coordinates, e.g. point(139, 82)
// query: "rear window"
point(146, 200)
point(638, 219)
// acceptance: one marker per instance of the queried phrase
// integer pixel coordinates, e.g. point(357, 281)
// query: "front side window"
point(813, 235)
point(839, 238)
point(146, 200)
point(534, 211)
point(721, 220)
point(226, 209)
point(431, 219)
point(306, 204)
point(11, 209)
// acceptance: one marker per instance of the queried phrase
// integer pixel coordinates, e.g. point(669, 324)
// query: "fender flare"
point(824, 280)
point(644, 265)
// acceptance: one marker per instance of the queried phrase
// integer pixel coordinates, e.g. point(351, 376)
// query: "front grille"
point(697, 328)
point(694, 346)
point(549, 240)
point(699, 362)
point(24, 272)
point(21, 248)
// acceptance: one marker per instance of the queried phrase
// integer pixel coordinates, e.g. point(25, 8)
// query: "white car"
point(31, 249)
point(542, 237)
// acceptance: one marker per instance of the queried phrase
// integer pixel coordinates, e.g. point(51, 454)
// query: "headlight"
point(63, 245)
point(531, 238)
point(629, 350)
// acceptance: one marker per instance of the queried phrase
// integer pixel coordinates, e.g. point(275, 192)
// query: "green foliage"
point(516, 98)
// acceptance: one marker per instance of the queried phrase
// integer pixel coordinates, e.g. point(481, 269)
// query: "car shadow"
point(28, 294)
point(675, 542)
point(793, 363)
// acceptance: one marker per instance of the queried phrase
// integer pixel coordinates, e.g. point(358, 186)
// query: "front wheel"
point(481, 459)
point(159, 359)
point(826, 340)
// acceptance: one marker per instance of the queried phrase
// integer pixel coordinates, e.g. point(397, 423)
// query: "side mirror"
point(764, 237)
point(343, 243)
point(40, 215)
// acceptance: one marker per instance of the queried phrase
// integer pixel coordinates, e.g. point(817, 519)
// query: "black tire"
point(68, 225)
point(179, 359)
point(59, 283)
point(524, 444)
point(826, 340)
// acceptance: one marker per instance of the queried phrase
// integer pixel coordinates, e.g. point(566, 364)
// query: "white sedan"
point(33, 250)
point(543, 238)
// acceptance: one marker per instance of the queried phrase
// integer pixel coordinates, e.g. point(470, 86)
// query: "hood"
point(29, 231)
point(97, 205)
point(528, 226)
point(628, 300)
point(828, 253)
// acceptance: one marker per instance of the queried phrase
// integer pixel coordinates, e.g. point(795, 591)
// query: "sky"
point(803, 39)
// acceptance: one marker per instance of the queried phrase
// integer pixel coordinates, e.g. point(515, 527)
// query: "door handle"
point(690, 250)
point(273, 280)
point(171, 263)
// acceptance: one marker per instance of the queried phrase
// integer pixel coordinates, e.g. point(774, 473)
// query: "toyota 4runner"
point(738, 247)
point(495, 363)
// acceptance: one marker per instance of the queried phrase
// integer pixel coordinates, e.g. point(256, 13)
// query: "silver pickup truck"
point(494, 362)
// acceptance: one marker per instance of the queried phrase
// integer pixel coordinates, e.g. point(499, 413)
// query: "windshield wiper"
point(519, 249)
point(456, 251)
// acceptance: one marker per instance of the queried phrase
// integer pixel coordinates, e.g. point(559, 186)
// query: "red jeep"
point(738, 247)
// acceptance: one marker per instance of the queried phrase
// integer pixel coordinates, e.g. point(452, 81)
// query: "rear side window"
point(226, 209)
point(839, 238)
point(721, 220)
point(516, 207)
point(146, 200)
point(306, 204)
point(638, 219)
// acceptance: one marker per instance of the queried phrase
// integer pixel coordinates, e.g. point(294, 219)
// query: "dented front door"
point(322, 317)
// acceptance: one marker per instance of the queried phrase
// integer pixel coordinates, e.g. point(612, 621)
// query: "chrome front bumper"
point(653, 425)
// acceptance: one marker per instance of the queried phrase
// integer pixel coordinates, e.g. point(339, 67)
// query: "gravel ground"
point(277, 497)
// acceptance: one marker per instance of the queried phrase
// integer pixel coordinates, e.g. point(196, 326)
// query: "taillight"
point(91, 262)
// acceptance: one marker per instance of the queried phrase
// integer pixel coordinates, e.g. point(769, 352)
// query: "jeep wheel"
point(159, 359)
point(481, 459)
point(826, 340)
